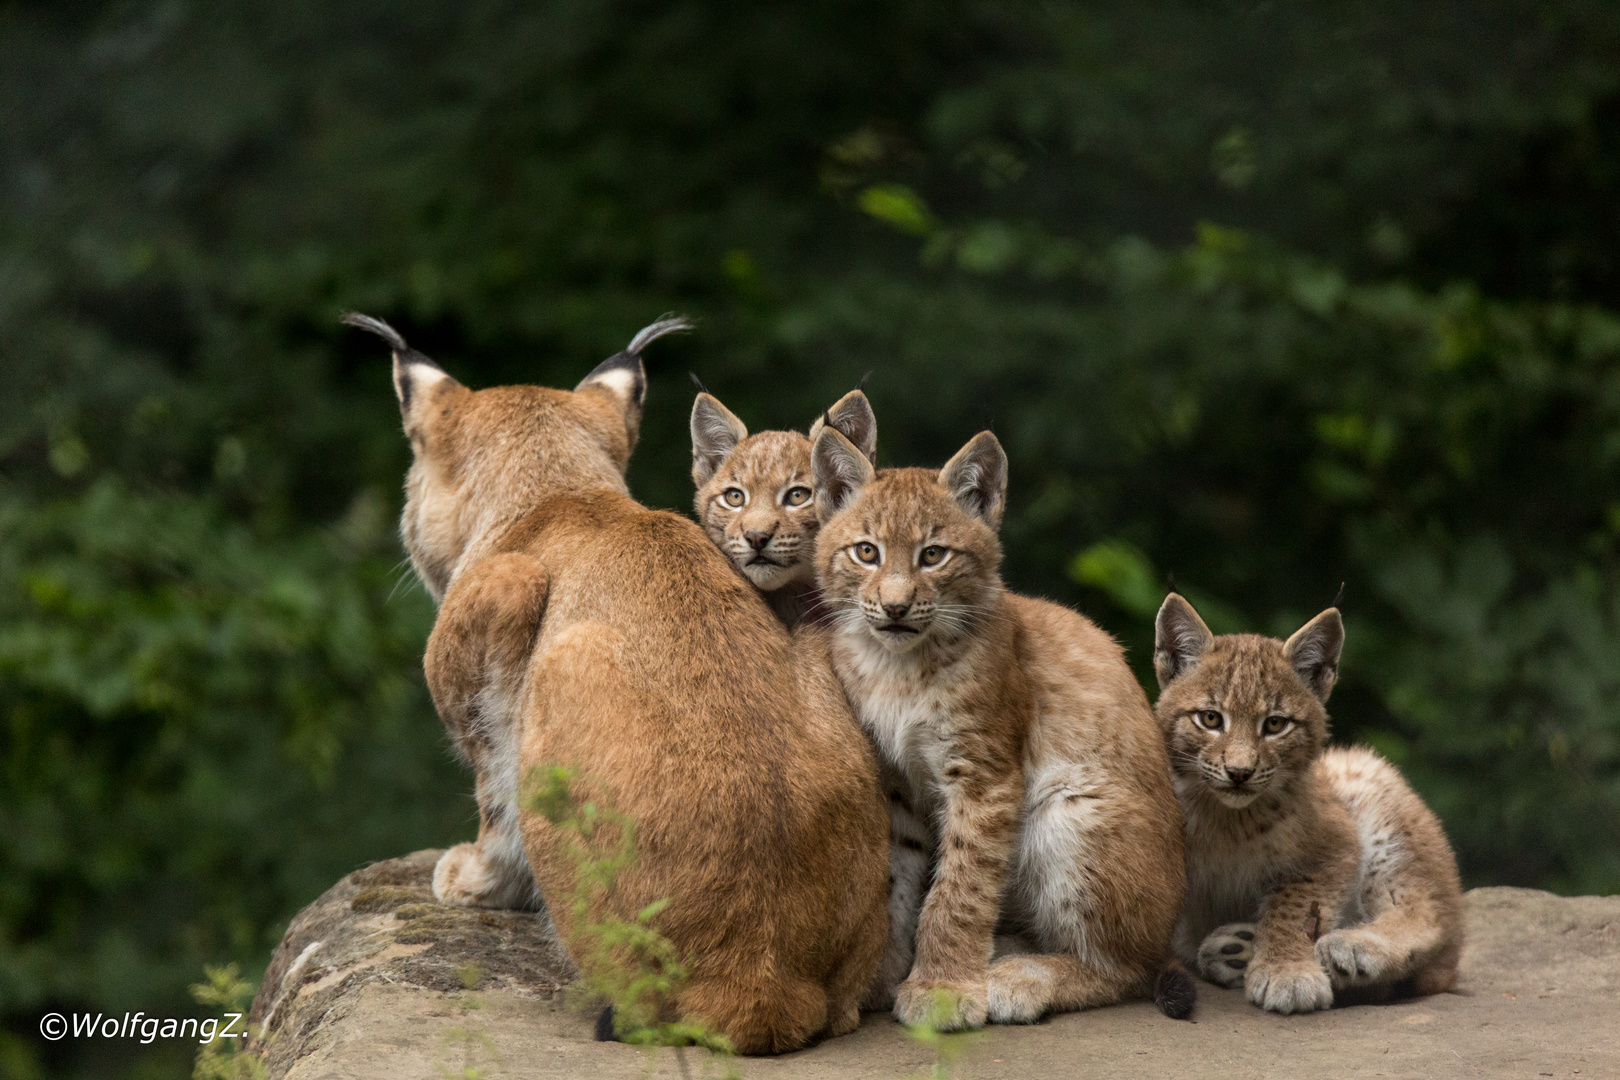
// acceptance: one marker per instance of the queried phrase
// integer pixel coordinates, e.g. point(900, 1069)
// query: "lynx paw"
point(941, 1004)
point(464, 876)
point(1224, 956)
point(1019, 990)
point(1297, 987)
point(1352, 957)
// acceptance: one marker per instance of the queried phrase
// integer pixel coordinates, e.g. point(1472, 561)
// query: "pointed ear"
point(624, 377)
point(977, 478)
point(838, 471)
point(414, 374)
point(715, 432)
point(1180, 639)
point(853, 417)
point(1314, 652)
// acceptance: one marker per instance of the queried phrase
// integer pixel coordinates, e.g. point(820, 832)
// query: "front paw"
point(1298, 987)
point(942, 1004)
point(1352, 957)
point(1020, 990)
point(1224, 956)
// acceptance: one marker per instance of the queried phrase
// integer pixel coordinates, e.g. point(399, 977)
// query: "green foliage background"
point(1272, 296)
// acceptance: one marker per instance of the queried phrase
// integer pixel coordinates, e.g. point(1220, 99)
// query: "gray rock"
point(400, 986)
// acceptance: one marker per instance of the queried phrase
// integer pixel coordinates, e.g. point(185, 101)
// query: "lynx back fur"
point(755, 498)
point(580, 628)
point(1312, 877)
point(1027, 779)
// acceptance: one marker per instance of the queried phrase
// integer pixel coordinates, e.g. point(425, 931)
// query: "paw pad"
point(1225, 954)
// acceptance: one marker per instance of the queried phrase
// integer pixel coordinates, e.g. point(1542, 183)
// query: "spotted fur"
point(578, 627)
point(755, 497)
point(1028, 785)
point(1313, 876)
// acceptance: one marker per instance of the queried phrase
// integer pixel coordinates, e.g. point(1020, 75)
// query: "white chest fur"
point(909, 710)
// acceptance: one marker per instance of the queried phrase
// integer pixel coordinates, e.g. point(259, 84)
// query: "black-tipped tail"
point(604, 1026)
point(1174, 991)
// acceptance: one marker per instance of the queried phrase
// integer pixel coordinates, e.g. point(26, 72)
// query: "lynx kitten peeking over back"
point(1311, 876)
point(755, 498)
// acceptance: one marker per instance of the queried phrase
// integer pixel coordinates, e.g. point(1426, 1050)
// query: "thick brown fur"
point(580, 628)
point(755, 498)
point(1023, 763)
point(1312, 876)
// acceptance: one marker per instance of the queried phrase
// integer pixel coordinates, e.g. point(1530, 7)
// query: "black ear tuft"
point(697, 382)
point(1338, 597)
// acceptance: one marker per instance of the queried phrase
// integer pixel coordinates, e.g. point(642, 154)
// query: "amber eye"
point(796, 496)
point(1208, 719)
point(734, 496)
point(866, 552)
point(932, 555)
point(1274, 725)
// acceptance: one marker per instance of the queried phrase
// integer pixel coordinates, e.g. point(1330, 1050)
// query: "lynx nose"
point(1238, 774)
point(757, 540)
point(896, 611)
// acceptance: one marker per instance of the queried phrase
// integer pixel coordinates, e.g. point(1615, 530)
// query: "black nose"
point(896, 611)
point(758, 540)
point(1238, 776)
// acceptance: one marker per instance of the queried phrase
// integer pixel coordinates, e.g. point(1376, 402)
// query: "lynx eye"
point(796, 496)
point(1274, 725)
point(865, 552)
point(1209, 719)
point(932, 555)
point(734, 496)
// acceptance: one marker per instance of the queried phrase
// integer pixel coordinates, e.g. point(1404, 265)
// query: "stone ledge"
point(402, 986)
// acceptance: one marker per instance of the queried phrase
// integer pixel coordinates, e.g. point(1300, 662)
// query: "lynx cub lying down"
point(1024, 767)
point(1311, 875)
point(580, 628)
point(755, 499)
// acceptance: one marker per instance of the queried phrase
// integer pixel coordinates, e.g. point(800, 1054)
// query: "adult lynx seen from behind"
point(755, 498)
point(1028, 780)
point(579, 628)
point(1312, 876)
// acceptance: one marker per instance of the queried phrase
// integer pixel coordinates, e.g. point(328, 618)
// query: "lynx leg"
point(1284, 976)
point(1066, 889)
point(1399, 944)
point(491, 872)
point(1025, 988)
point(476, 663)
point(909, 849)
point(1225, 953)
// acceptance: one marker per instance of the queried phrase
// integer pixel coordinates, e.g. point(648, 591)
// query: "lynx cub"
point(754, 496)
point(1311, 875)
point(1022, 761)
point(580, 628)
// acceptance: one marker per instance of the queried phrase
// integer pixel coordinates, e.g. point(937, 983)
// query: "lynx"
point(1021, 757)
point(754, 496)
point(1312, 876)
point(580, 628)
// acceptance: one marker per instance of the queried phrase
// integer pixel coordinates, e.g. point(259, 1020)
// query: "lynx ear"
point(624, 376)
point(1180, 639)
point(838, 471)
point(853, 417)
point(977, 478)
point(1314, 652)
point(414, 374)
point(715, 432)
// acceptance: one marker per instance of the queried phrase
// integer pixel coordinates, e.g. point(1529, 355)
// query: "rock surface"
point(402, 986)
